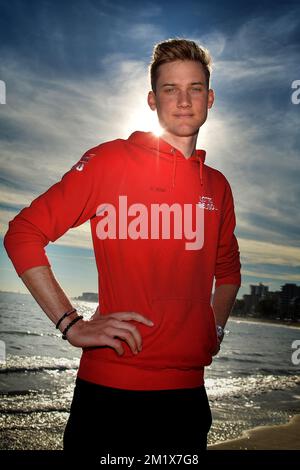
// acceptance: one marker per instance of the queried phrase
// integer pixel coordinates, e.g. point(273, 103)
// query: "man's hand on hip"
point(109, 330)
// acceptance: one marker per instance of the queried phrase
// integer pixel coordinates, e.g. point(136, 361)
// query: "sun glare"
point(144, 119)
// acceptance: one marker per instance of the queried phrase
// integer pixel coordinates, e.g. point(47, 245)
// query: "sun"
point(143, 119)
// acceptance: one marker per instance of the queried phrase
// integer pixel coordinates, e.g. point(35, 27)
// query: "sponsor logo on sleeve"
point(79, 166)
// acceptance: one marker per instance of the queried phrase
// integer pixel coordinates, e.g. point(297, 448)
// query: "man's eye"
point(170, 90)
point(196, 89)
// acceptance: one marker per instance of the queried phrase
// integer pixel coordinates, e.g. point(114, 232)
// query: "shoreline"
point(271, 437)
point(265, 320)
point(275, 437)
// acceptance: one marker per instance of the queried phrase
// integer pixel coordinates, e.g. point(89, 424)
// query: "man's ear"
point(211, 98)
point(151, 100)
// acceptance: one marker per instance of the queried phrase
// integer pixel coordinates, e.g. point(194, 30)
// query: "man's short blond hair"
point(178, 49)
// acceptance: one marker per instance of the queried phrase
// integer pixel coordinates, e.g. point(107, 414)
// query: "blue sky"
point(76, 75)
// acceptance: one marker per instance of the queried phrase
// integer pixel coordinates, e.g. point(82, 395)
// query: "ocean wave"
point(26, 333)
point(240, 353)
point(22, 364)
point(34, 369)
point(236, 390)
point(244, 360)
point(35, 402)
point(251, 385)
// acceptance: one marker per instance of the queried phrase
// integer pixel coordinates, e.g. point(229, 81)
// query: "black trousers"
point(108, 420)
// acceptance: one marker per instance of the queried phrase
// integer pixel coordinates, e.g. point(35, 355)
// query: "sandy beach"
point(281, 437)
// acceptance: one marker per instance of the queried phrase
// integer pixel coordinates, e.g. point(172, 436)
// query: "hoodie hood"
point(160, 146)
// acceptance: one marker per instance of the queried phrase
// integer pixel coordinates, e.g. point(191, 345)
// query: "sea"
point(253, 381)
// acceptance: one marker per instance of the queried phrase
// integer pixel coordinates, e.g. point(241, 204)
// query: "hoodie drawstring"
point(201, 171)
point(174, 168)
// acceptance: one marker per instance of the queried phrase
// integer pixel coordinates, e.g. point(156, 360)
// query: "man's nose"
point(183, 99)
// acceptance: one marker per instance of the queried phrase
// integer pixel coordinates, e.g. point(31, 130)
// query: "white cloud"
point(280, 275)
point(60, 121)
point(79, 237)
point(56, 121)
point(251, 134)
point(53, 122)
point(258, 252)
point(142, 32)
point(214, 41)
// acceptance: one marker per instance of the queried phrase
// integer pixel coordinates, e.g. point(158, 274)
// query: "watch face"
point(220, 331)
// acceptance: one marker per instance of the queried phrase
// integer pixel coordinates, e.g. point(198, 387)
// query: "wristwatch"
point(220, 332)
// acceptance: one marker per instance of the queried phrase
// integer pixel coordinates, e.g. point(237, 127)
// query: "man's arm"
point(223, 301)
point(105, 330)
point(43, 286)
point(67, 204)
point(228, 266)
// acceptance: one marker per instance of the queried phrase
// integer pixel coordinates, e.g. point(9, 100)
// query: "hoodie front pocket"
point(184, 336)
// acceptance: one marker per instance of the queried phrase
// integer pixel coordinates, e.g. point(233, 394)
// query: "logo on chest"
point(206, 202)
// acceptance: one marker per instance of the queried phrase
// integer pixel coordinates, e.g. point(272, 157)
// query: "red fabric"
point(159, 278)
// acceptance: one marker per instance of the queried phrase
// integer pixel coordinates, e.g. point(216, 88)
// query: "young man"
point(163, 224)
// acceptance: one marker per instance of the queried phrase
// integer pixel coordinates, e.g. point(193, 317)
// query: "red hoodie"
point(116, 185)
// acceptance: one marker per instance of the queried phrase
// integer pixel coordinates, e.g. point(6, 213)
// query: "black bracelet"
point(80, 317)
point(65, 315)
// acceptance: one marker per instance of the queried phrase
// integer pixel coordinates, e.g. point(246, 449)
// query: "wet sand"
point(34, 431)
point(281, 437)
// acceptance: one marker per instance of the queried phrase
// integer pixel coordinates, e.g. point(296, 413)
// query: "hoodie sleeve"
point(68, 203)
point(228, 267)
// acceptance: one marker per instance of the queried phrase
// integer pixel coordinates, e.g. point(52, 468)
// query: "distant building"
point(288, 300)
point(259, 291)
point(88, 297)
point(283, 304)
point(295, 308)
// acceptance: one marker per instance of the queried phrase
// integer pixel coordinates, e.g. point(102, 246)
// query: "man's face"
point(182, 98)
